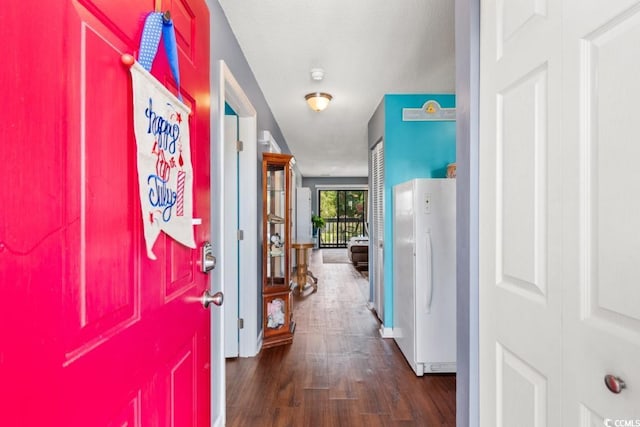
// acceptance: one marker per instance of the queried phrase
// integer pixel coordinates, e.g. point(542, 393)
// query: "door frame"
point(230, 246)
point(232, 93)
point(467, 59)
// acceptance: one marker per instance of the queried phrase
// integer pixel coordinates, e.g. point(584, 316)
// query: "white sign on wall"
point(430, 111)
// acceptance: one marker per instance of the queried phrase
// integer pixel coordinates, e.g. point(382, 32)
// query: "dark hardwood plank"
point(338, 371)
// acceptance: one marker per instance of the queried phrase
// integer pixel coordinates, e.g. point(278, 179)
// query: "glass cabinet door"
point(275, 223)
point(278, 323)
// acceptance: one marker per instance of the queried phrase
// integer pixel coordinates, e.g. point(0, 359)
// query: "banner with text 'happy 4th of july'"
point(165, 174)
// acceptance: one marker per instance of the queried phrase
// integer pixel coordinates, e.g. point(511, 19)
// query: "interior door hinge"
point(240, 323)
point(239, 146)
point(240, 234)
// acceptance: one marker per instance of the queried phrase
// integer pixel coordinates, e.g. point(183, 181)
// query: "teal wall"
point(228, 111)
point(420, 149)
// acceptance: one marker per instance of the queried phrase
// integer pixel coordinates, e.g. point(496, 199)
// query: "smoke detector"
point(317, 74)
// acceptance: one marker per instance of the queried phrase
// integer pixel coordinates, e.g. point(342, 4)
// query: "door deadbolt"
point(208, 261)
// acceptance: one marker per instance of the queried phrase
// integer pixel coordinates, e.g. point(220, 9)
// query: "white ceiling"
point(367, 48)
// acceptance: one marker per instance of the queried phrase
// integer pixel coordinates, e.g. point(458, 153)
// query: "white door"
point(230, 197)
point(377, 239)
point(601, 201)
point(292, 211)
point(520, 214)
point(303, 214)
point(558, 250)
point(237, 172)
point(377, 245)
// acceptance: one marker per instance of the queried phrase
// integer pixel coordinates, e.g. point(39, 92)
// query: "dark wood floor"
point(338, 371)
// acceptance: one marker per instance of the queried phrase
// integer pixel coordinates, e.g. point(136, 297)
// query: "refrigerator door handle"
point(429, 290)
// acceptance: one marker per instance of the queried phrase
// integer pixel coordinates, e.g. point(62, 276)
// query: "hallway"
point(338, 371)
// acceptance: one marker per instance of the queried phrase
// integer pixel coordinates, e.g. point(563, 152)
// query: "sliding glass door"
point(345, 216)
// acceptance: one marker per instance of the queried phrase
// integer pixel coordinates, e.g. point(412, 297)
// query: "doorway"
point(239, 214)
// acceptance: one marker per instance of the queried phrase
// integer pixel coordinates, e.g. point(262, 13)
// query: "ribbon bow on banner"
point(161, 125)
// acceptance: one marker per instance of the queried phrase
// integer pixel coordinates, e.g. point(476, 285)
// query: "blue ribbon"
point(151, 33)
point(171, 47)
point(156, 26)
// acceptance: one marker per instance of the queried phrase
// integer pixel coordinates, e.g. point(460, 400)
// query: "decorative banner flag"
point(165, 175)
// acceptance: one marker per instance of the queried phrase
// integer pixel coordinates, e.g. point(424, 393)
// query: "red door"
point(92, 332)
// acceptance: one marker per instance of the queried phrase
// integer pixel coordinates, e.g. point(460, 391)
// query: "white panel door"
point(559, 242)
point(601, 256)
point(520, 214)
point(230, 197)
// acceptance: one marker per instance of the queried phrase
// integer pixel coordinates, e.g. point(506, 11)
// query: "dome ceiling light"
point(318, 101)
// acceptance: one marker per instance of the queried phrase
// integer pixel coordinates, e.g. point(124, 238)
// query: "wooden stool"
point(303, 274)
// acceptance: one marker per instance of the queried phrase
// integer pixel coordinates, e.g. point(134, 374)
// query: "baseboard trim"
point(259, 343)
point(219, 421)
point(386, 332)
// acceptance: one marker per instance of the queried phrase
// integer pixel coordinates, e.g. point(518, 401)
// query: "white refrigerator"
point(424, 273)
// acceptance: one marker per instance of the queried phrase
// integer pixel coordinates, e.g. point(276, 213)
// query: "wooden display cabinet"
point(278, 324)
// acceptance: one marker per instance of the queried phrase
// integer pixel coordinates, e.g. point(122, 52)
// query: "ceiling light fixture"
point(318, 101)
